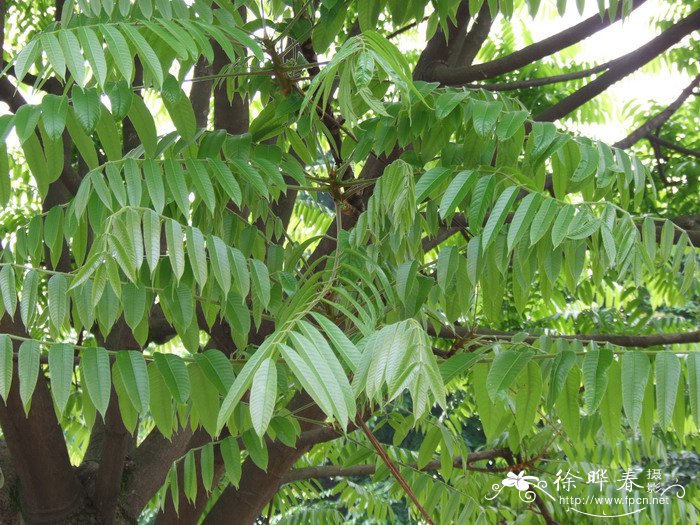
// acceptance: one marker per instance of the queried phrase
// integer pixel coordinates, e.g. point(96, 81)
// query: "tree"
point(253, 254)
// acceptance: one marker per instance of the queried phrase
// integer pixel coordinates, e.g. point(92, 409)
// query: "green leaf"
point(8, 289)
point(261, 281)
point(505, 368)
point(456, 365)
point(148, 56)
point(206, 457)
point(109, 136)
point(144, 125)
point(28, 370)
point(6, 365)
point(73, 55)
point(174, 372)
point(543, 220)
point(635, 373)
point(527, 398)
point(54, 53)
point(522, 218)
point(668, 373)
point(227, 181)
point(179, 108)
point(241, 384)
point(175, 178)
point(176, 250)
point(86, 103)
point(202, 183)
point(161, 405)
point(58, 300)
point(347, 350)
point(95, 373)
point(217, 368)
point(484, 115)
point(559, 371)
point(430, 181)
point(197, 255)
point(189, 474)
point(447, 102)
point(649, 237)
point(231, 454)
point(692, 362)
point(134, 374)
point(567, 405)
point(428, 446)
point(595, 377)
point(456, 192)
point(498, 215)
point(61, 363)
point(510, 123)
point(561, 224)
point(480, 202)
point(119, 49)
point(54, 109)
point(611, 405)
point(27, 305)
point(205, 398)
point(220, 264)
point(93, 53)
point(263, 394)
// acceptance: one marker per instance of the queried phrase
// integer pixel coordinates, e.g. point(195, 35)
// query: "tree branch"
point(659, 119)
point(467, 49)
point(673, 146)
point(339, 471)
point(544, 81)
point(622, 67)
point(49, 488)
point(441, 72)
point(624, 340)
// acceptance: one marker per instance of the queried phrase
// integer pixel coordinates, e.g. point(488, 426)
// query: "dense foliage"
point(260, 262)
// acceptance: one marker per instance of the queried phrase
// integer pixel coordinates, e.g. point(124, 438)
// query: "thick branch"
point(470, 45)
point(444, 74)
point(622, 67)
point(339, 471)
point(49, 489)
point(660, 118)
point(633, 341)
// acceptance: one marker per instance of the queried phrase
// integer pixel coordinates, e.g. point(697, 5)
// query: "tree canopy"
point(326, 261)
